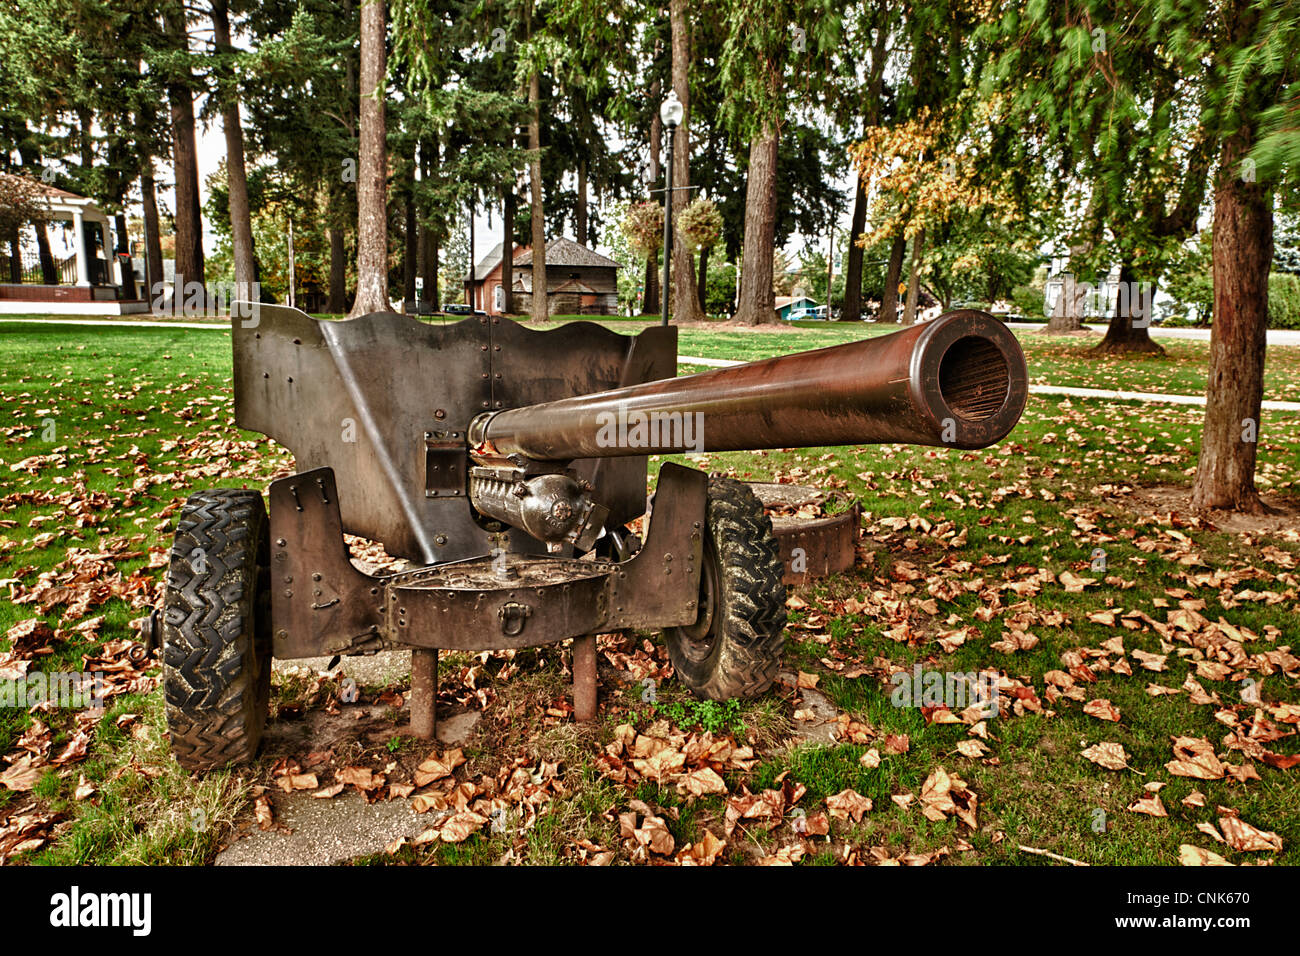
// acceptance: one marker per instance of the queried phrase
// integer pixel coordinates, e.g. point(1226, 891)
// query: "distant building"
point(785, 304)
point(85, 278)
point(578, 280)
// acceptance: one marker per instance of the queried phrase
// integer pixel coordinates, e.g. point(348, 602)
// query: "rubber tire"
point(746, 636)
point(216, 630)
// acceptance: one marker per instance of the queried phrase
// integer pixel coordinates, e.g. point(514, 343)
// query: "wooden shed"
point(578, 280)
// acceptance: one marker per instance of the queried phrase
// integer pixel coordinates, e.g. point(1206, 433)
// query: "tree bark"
point(372, 174)
point(852, 311)
point(338, 294)
point(893, 276)
point(1067, 314)
point(1122, 335)
point(469, 279)
point(152, 237)
point(650, 302)
point(509, 204)
point(241, 221)
point(1243, 253)
point(539, 309)
point(428, 236)
point(411, 252)
point(189, 224)
point(15, 262)
point(686, 300)
point(49, 273)
point(756, 304)
point(580, 213)
point(703, 287)
point(914, 278)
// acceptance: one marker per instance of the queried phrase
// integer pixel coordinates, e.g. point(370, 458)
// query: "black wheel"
point(216, 629)
point(734, 647)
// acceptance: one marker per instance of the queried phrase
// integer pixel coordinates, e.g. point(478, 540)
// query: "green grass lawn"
point(107, 430)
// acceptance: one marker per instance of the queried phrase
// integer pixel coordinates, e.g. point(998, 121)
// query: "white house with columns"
point(84, 285)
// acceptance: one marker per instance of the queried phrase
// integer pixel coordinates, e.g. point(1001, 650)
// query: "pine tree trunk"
point(509, 204)
point(1243, 253)
point(893, 275)
point(189, 225)
point(338, 296)
point(580, 213)
point(1122, 335)
point(411, 253)
point(539, 309)
point(650, 303)
point(703, 286)
point(241, 222)
point(152, 238)
point(914, 278)
point(432, 235)
point(431, 281)
point(49, 273)
point(852, 311)
point(686, 300)
point(372, 173)
point(469, 279)
point(757, 301)
point(15, 258)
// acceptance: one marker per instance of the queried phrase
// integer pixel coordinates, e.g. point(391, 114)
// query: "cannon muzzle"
point(959, 380)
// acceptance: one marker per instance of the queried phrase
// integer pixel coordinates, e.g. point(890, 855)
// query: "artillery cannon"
point(507, 465)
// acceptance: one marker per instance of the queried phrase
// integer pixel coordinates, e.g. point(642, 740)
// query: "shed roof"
point(566, 252)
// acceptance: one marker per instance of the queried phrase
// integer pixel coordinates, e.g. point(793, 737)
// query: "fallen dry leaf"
point(848, 804)
point(1102, 709)
point(1243, 837)
point(1195, 758)
point(1149, 805)
point(1112, 756)
point(1189, 855)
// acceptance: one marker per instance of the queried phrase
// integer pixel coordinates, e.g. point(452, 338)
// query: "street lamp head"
point(671, 110)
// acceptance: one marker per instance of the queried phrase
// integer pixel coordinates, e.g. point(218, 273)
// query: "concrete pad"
point(820, 731)
point(324, 832)
point(383, 668)
point(453, 731)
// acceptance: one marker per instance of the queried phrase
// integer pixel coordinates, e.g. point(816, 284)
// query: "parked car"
point(807, 315)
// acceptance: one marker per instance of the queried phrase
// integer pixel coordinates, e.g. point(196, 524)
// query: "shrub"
point(1283, 301)
point(1028, 300)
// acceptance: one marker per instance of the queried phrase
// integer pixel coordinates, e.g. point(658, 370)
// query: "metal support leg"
point(424, 692)
point(584, 678)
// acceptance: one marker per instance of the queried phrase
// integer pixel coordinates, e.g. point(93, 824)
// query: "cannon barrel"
point(959, 380)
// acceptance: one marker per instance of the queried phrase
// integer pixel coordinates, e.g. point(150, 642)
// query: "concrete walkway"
point(223, 326)
point(1275, 336)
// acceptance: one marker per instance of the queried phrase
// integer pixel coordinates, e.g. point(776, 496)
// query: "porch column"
point(79, 244)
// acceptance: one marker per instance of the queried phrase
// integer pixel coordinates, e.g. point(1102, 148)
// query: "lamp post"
point(670, 112)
